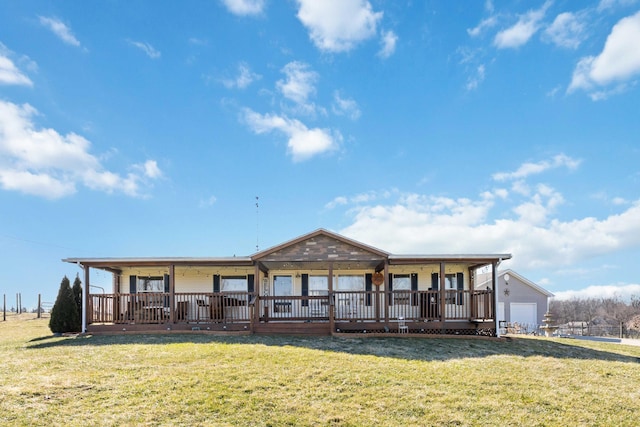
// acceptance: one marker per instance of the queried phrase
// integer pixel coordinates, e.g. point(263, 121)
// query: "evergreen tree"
point(77, 295)
point(64, 314)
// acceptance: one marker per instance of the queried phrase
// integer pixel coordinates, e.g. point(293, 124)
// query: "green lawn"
point(256, 380)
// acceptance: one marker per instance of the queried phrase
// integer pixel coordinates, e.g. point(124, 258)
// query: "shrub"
point(64, 314)
point(77, 295)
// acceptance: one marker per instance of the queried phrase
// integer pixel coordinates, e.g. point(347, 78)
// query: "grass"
point(271, 381)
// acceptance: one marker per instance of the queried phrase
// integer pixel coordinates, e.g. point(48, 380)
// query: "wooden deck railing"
point(343, 305)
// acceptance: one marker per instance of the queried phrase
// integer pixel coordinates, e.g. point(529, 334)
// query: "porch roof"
point(115, 263)
point(466, 258)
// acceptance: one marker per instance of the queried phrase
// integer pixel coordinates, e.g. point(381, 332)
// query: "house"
point(318, 283)
point(520, 301)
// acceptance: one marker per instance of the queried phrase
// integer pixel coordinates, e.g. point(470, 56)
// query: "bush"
point(64, 314)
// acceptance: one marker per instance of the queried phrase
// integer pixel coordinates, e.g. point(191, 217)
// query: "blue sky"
point(145, 128)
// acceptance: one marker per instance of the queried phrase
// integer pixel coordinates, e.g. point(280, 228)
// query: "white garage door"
point(523, 313)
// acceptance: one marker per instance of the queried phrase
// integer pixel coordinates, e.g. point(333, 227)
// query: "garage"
point(523, 313)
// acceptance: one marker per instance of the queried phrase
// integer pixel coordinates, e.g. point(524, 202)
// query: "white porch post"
point(494, 279)
point(85, 298)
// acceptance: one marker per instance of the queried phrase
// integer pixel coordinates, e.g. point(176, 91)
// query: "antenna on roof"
point(257, 225)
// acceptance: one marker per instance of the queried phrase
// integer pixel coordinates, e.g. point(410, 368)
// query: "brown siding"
point(321, 248)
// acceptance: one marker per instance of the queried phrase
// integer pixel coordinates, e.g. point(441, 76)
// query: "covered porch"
point(464, 313)
point(319, 283)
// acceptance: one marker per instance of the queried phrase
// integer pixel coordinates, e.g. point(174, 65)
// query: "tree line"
point(599, 316)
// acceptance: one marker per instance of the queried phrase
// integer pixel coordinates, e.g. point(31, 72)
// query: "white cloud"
point(299, 83)
point(531, 230)
point(483, 25)
point(536, 210)
point(338, 25)
point(37, 184)
point(303, 142)
point(60, 30)
point(611, 4)
point(244, 78)
point(345, 106)
point(195, 41)
point(520, 33)
point(427, 224)
point(151, 169)
point(208, 202)
point(44, 163)
point(474, 80)
point(622, 291)
point(605, 4)
point(619, 201)
point(488, 5)
point(554, 91)
point(146, 48)
point(566, 31)
point(388, 41)
point(338, 201)
point(360, 198)
point(9, 73)
point(244, 7)
point(527, 169)
point(618, 62)
point(520, 187)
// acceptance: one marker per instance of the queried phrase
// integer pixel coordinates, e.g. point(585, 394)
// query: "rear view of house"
point(318, 283)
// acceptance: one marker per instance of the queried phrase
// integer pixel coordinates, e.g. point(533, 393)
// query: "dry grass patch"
point(260, 380)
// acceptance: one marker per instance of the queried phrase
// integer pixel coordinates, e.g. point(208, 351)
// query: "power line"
point(35, 242)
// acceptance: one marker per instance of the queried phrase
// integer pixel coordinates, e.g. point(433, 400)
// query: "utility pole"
point(257, 224)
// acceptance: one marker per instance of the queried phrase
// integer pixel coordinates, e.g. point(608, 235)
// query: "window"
point(450, 282)
point(282, 287)
point(401, 282)
point(150, 284)
point(454, 282)
point(233, 284)
point(318, 285)
point(350, 283)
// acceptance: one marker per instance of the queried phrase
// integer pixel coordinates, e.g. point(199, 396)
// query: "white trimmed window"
point(150, 284)
point(233, 284)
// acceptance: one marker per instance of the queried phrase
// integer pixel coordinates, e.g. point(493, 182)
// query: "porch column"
point(255, 319)
point(332, 306)
point(494, 280)
point(472, 299)
point(85, 299)
point(115, 284)
point(387, 297)
point(172, 293)
point(443, 300)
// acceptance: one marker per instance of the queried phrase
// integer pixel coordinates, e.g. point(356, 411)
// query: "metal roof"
point(157, 261)
point(262, 257)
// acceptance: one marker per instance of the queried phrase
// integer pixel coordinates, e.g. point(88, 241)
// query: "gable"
point(321, 247)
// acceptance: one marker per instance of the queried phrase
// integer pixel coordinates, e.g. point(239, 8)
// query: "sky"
point(216, 128)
